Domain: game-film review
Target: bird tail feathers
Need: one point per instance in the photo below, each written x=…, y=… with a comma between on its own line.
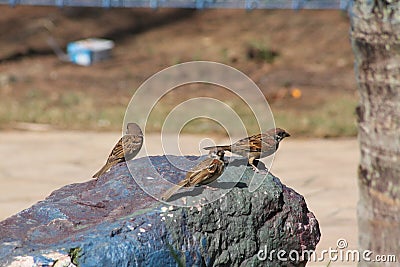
x=219, y=148
x=170, y=192
x=102, y=170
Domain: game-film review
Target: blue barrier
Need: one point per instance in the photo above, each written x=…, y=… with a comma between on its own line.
x=197, y=4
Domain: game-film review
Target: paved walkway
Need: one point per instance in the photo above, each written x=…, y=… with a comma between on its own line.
x=34, y=164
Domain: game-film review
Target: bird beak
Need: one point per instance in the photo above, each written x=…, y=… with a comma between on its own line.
x=287, y=135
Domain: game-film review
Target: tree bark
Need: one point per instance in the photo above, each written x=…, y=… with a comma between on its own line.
x=375, y=35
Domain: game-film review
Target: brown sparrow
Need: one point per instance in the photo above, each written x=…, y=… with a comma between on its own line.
x=256, y=146
x=207, y=171
x=126, y=149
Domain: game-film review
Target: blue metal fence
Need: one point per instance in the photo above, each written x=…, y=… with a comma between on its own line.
x=198, y=4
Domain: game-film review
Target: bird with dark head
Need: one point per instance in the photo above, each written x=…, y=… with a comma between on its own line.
x=256, y=146
x=126, y=148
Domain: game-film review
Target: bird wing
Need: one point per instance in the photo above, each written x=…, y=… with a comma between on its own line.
x=117, y=154
x=198, y=175
x=202, y=171
x=255, y=142
x=215, y=170
x=131, y=146
x=250, y=144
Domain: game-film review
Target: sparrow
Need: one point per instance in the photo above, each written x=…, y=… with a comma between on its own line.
x=256, y=146
x=206, y=172
x=126, y=149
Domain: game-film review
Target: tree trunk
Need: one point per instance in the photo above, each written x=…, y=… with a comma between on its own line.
x=375, y=35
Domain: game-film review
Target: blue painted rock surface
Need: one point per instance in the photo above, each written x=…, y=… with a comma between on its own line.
x=113, y=222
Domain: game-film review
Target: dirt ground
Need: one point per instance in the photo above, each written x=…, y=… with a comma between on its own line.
x=312, y=47
x=280, y=50
x=323, y=171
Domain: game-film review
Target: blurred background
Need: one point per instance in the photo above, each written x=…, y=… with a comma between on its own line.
x=59, y=120
x=301, y=60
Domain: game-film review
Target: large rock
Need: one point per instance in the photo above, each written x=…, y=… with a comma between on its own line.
x=113, y=222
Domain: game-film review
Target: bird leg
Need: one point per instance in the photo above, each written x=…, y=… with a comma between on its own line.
x=251, y=162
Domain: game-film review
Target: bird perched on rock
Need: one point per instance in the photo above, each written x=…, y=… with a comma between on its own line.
x=126, y=149
x=206, y=172
x=256, y=146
